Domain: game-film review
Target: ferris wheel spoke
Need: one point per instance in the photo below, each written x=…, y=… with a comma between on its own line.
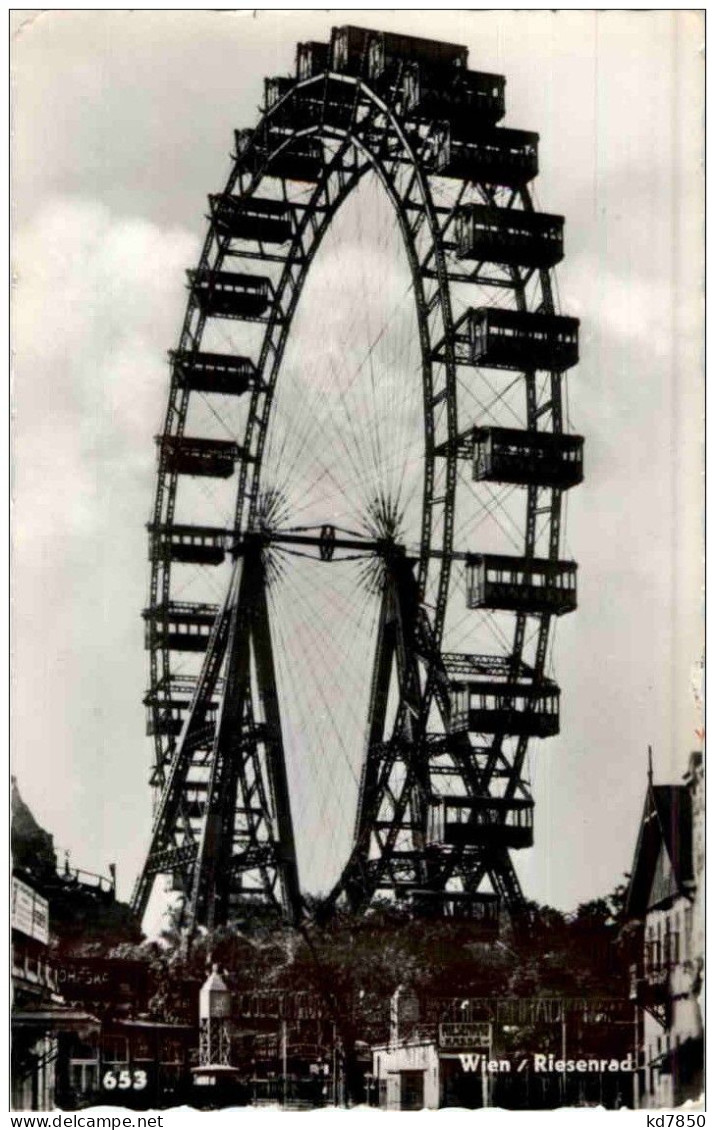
x=353, y=435
x=313, y=765
x=321, y=470
x=320, y=618
x=496, y=500
x=317, y=638
x=362, y=446
x=231, y=428
x=351, y=598
x=490, y=512
x=299, y=696
x=496, y=398
x=467, y=630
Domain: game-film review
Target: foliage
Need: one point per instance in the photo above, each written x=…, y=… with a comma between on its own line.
x=355, y=963
x=85, y=925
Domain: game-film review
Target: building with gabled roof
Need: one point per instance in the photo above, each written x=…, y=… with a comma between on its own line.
x=664, y=908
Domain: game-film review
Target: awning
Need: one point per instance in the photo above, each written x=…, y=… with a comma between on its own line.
x=54, y=1020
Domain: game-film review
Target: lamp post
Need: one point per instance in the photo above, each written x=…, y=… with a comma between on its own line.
x=284, y=1063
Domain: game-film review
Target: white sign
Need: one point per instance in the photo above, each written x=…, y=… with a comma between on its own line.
x=30, y=912
x=465, y=1035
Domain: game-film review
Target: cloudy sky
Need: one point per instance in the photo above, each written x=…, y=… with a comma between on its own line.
x=122, y=123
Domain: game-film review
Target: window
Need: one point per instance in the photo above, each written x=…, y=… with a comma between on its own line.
x=656, y=949
x=82, y=1051
x=142, y=1048
x=688, y=932
x=114, y=1050
x=83, y=1077
x=83, y=1067
x=172, y=1051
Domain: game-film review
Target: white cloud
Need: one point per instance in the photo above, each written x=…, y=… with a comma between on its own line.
x=97, y=301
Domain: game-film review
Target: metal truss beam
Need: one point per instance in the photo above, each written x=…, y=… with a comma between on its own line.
x=246, y=830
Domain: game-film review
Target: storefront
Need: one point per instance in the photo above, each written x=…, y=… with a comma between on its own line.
x=41, y=1040
x=431, y=1073
x=135, y=1063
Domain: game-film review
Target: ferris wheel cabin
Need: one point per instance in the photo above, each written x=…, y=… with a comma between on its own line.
x=485, y=706
x=460, y=821
x=311, y=59
x=480, y=908
x=510, y=236
x=432, y=77
x=503, y=157
x=301, y=161
x=213, y=372
x=168, y=715
x=522, y=341
x=521, y=584
x=179, y=625
x=275, y=88
x=189, y=545
x=544, y=459
x=189, y=455
x=168, y=701
x=325, y=103
x=262, y=220
x=453, y=94
x=223, y=294
x=360, y=51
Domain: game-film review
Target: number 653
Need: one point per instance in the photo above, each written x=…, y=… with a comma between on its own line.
x=124, y=1080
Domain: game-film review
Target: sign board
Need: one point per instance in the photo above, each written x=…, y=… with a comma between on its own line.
x=30, y=912
x=465, y=1035
x=101, y=979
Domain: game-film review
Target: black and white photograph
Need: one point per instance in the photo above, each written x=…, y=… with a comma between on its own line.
x=357, y=561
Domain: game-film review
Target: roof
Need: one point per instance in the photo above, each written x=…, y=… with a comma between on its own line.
x=663, y=861
x=153, y=1025
x=33, y=851
x=214, y=983
x=405, y=1042
x=54, y=1019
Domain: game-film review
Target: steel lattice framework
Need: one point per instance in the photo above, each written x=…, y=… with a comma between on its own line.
x=442, y=796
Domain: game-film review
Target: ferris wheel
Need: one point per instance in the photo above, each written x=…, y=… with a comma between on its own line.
x=356, y=541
